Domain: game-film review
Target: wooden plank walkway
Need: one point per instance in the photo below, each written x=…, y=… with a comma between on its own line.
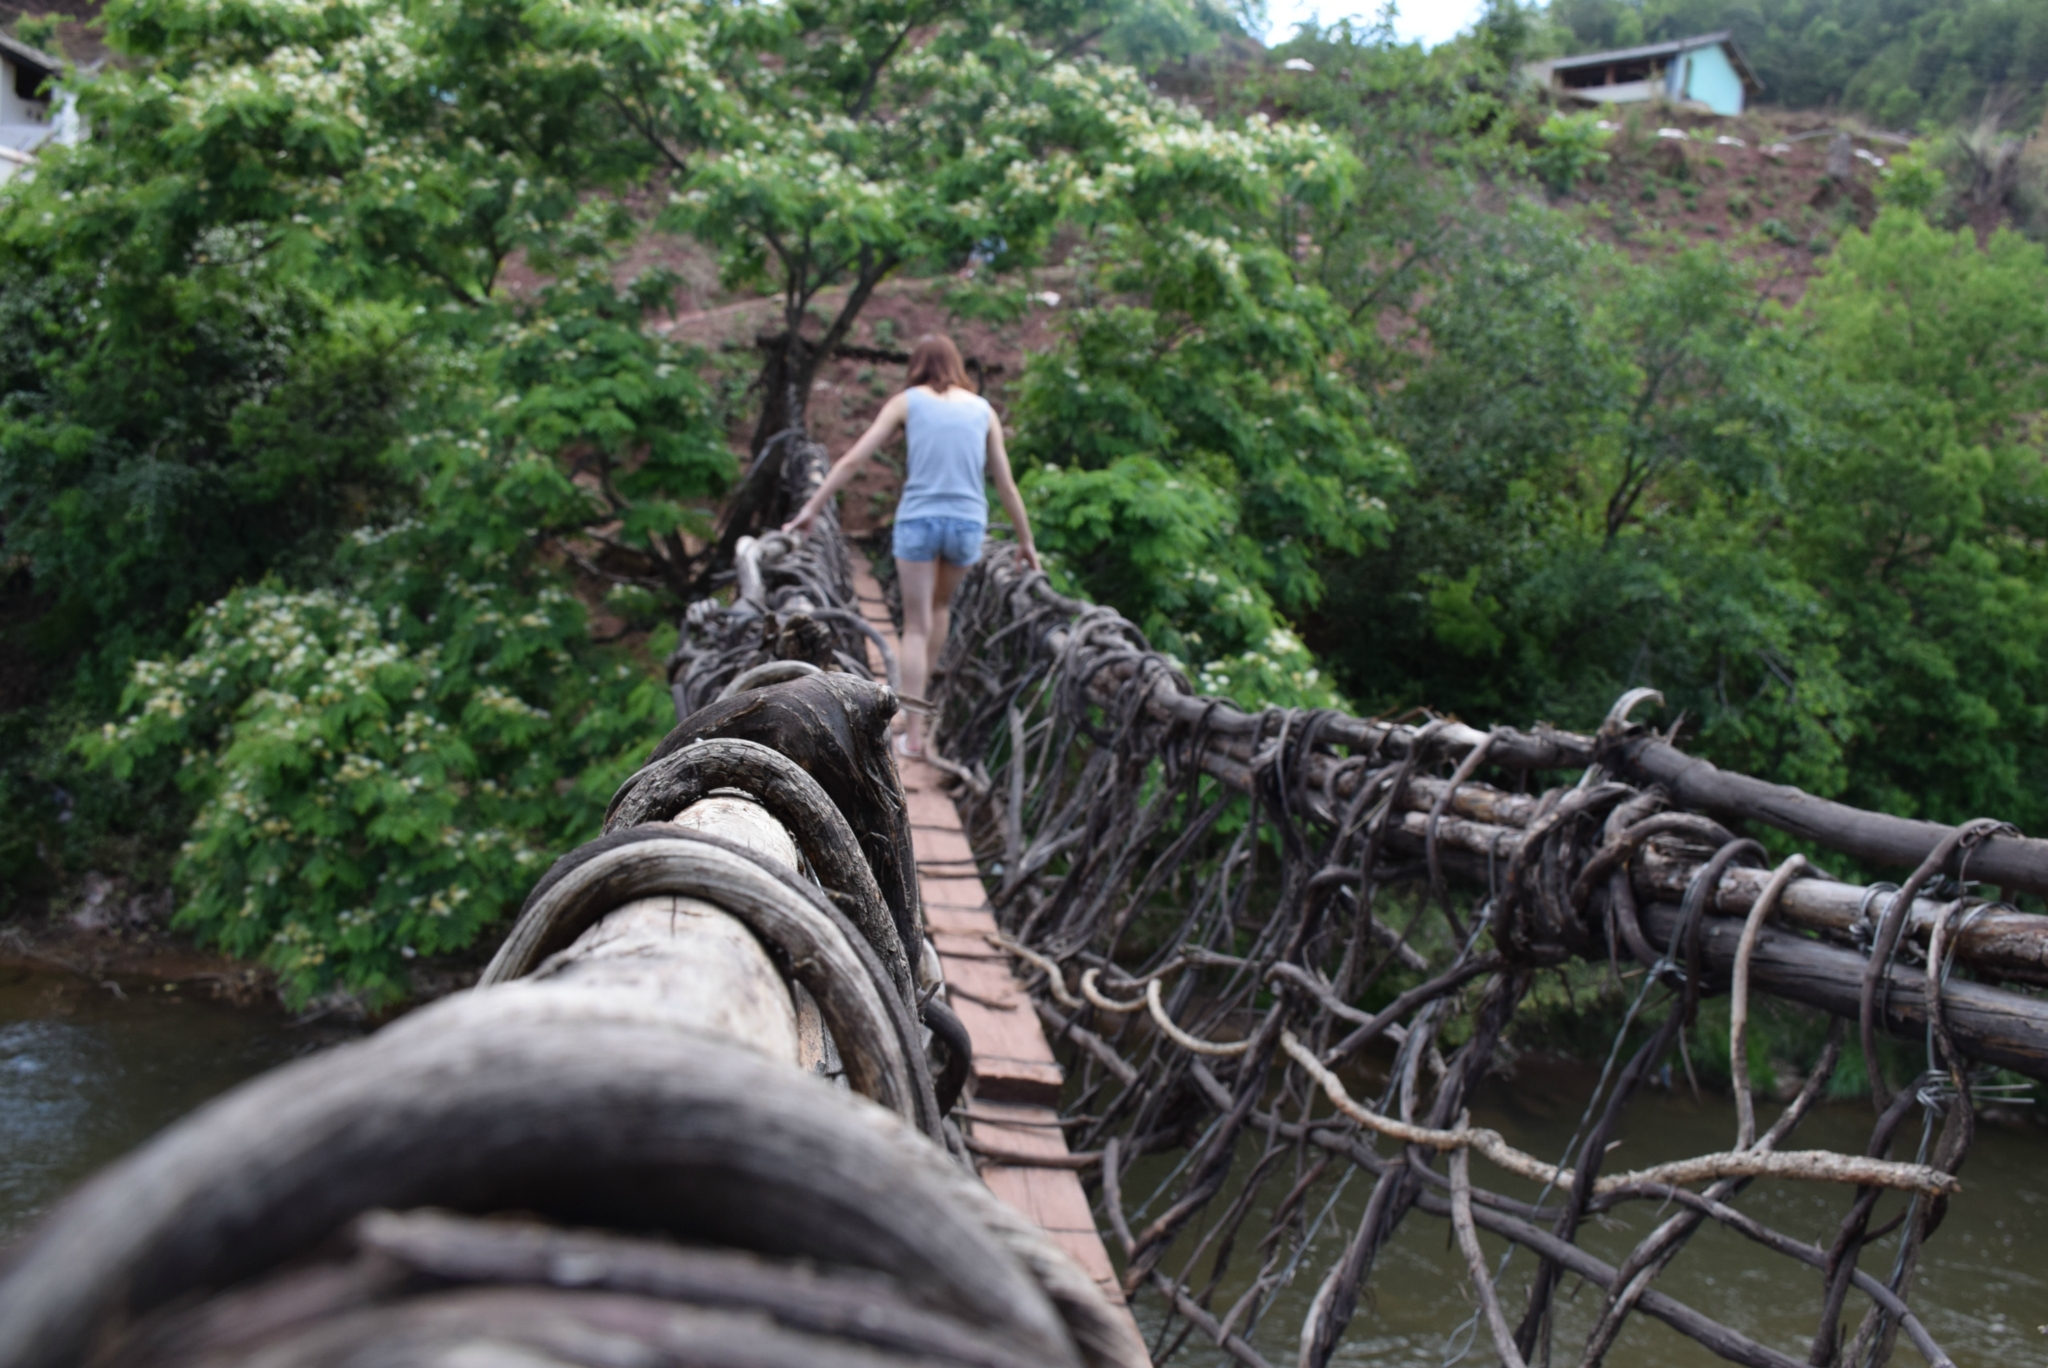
x=1016, y=1086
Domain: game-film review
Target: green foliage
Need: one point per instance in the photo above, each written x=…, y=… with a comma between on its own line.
x=1165, y=543
x=1776, y=230
x=39, y=31
x=1216, y=340
x=259, y=359
x=1923, y=512
x=1912, y=182
x=213, y=303
x=271, y=420
x=1574, y=145
x=1207, y=350
x=217, y=423
x=852, y=139
x=375, y=784
x=1817, y=533
x=381, y=768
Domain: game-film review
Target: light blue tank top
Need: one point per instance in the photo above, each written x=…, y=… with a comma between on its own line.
x=948, y=440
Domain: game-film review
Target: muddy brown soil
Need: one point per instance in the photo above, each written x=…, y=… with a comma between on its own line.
x=1757, y=183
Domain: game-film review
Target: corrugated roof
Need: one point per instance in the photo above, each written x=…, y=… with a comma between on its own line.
x=1670, y=49
x=1725, y=37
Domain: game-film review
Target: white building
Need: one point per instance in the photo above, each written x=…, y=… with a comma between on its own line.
x=1707, y=72
x=31, y=114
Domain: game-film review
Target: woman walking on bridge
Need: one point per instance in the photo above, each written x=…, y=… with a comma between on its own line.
x=955, y=440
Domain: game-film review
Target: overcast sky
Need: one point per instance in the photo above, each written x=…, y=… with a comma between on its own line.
x=1429, y=21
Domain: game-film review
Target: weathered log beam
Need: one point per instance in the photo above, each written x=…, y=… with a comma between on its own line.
x=645, y=1075
x=1992, y=939
x=1996, y=940
x=2001, y=942
x=1899, y=842
x=1541, y=749
x=2006, y=1029
x=1990, y=1025
x=1486, y=822
x=2014, y=862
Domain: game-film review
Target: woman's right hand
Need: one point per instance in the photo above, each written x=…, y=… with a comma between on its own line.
x=800, y=525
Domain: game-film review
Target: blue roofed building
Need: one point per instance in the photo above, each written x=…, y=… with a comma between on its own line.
x=1707, y=72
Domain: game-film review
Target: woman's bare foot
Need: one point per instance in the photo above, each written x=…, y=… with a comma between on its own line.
x=907, y=748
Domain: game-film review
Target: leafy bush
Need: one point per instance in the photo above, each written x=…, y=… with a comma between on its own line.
x=1574, y=146
x=1165, y=543
x=382, y=768
x=1817, y=532
x=1192, y=444
x=1912, y=182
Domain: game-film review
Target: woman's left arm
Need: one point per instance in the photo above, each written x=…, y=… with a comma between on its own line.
x=1006, y=489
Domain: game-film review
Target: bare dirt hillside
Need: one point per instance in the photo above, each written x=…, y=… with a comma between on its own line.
x=1760, y=183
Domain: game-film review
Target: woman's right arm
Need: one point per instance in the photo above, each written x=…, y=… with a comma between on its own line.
x=999, y=474
x=847, y=466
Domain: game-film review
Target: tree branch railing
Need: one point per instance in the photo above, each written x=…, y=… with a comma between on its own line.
x=1202, y=896
x=792, y=610
x=687, y=1117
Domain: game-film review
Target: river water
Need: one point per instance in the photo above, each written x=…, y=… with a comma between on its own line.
x=86, y=1075
x=1982, y=1288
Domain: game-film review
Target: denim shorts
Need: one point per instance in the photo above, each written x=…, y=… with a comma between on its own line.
x=954, y=539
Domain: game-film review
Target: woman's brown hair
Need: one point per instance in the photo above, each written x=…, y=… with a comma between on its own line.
x=935, y=361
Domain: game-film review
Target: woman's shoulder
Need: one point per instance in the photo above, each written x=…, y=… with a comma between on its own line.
x=964, y=397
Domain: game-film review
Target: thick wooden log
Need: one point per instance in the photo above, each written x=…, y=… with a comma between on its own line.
x=2005, y=1029
x=2014, y=862
x=1484, y=823
x=836, y=727
x=1899, y=842
x=689, y=958
x=1997, y=941
x=1994, y=940
x=800, y=808
x=1542, y=749
x=473, y=1104
x=878, y=1038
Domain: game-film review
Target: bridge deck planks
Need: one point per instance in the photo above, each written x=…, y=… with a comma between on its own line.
x=1016, y=1079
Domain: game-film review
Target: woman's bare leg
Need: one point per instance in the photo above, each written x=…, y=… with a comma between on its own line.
x=947, y=580
x=927, y=614
x=918, y=581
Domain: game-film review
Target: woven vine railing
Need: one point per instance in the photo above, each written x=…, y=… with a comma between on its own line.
x=791, y=608
x=693, y=1114
x=1202, y=896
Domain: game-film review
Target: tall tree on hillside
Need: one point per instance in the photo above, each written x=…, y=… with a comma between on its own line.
x=823, y=146
x=272, y=286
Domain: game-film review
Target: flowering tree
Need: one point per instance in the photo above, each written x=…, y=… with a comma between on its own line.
x=269, y=382
x=1196, y=444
